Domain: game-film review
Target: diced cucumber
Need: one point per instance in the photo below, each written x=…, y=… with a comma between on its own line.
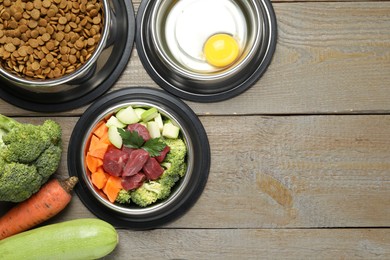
x=170, y=131
x=127, y=115
x=139, y=111
x=153, y=129
x=114, y=137
x=149, y=114
x=113, y=121
x=159, y=121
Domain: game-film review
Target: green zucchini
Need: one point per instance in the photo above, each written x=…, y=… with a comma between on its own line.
x=86, y=238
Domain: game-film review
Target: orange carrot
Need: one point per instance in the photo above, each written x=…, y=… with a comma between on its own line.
x=105, y=139
x=101, y=129
x=93, y=163
x=93, y=143
x=98, y=149
x=99, y=178
x=112, y=188
x=52, y=198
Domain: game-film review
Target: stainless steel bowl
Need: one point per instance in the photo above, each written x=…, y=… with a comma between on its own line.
x=67, y=81
x=185, y=192
x=163, y=45
x=91, y=79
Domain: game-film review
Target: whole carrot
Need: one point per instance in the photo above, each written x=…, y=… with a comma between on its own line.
x=52, y=198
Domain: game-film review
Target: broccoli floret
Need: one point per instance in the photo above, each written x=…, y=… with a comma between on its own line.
x=124, y=197
x=143, y=197
x=29, y=154
x=178, y=150
x=47, y=163
x=22, y=178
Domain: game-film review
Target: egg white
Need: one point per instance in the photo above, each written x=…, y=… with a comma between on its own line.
x=191, y=22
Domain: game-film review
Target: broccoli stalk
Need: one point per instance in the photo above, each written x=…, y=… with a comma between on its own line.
x=29, y=155
x=151, y=191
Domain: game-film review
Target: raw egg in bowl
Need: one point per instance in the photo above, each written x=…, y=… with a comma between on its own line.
x=206, y=50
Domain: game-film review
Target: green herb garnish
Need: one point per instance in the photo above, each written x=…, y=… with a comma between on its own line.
x=132, y=139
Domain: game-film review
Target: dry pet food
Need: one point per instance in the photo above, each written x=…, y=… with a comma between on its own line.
x=46, y=39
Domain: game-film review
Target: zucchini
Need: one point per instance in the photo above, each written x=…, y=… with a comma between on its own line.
x=86, y=238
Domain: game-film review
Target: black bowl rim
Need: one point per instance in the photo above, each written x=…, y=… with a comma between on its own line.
x=198, y=178
x=124, y=54
x=208, y=97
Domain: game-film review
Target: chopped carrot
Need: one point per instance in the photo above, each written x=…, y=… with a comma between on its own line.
x=105, y=139
x=52, y=198
x=98, y=150
x=93, y=163
x=101, y=129
x=99, y=178
x=112, y=188
x=93, y=143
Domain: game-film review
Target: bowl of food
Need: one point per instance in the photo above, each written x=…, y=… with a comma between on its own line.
x=57, y=55
x=204, y=50
x=142, y=157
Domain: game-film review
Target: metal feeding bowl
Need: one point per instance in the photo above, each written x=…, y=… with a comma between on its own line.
x=204, y=50
x=186, y=190
x=47, y=49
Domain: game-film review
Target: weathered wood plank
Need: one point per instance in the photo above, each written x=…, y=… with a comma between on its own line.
x=331, y=58
x=253, y=244
x=292, y=172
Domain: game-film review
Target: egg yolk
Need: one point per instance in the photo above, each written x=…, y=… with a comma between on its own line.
x=221, y=50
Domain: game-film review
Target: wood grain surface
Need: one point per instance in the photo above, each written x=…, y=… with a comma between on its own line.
x=300, y=164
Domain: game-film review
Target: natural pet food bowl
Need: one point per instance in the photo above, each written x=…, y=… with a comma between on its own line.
x=184, y=193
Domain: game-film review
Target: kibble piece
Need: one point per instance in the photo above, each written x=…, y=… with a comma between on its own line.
x=32, y=24
x=79, y=44
x=34, y=34
x=51, y=12
x=33, y=43
x=63, y=4
x=23, y=28
x=59, y=36
x=46, y=37
x=29, y=6
x=35, y=65
x=16, y=41
x=13, y=24
x=18, y=16
x=91, y=41
x=49, y=57
x=49, y=29
x=96, y=20
x=35, y=14
x=72, y=59
x=9, y=47
x=5, y=15
x=7, y=3
x=42, y=22
x=42, y=30
x=50, y=46
x=37, y=4
x=62, y=20
x=46, y=3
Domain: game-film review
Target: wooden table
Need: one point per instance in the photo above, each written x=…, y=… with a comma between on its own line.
x=300, y=162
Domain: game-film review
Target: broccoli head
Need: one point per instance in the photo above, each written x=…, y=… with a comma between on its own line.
x=123, y=197
x=29, y=155
x=178, y=150
x=143, y=197
x=18, y=181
